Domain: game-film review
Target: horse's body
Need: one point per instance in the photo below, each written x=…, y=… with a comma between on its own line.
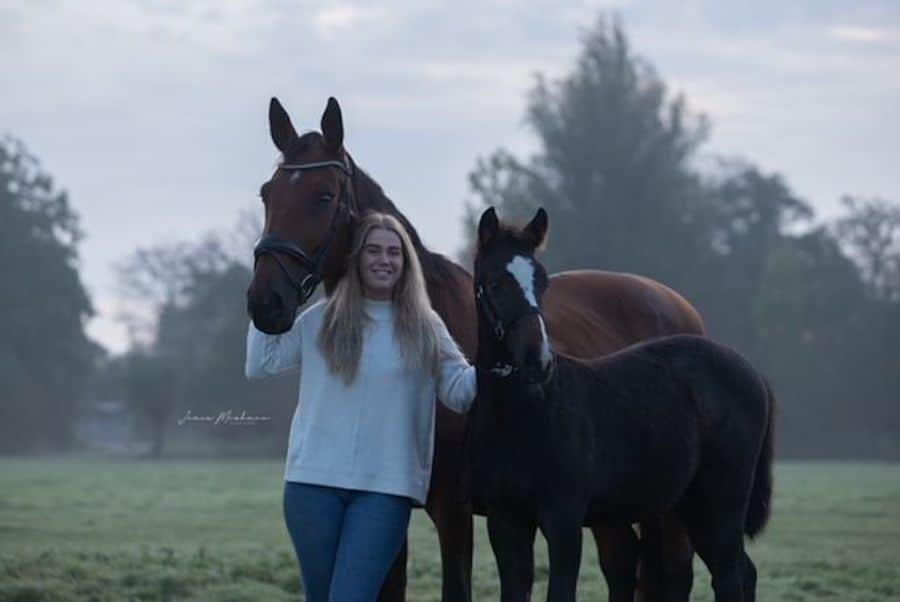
x=589, y=313
x=677, y=425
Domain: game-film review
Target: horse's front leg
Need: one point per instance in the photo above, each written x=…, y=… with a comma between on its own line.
x=454, y=527
x=666, y=566
x=394, y=587
x=513, y=546
x=562, y=530
x=449, y=509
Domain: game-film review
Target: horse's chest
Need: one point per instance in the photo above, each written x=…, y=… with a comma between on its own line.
x=512, y=478
x=524, y=465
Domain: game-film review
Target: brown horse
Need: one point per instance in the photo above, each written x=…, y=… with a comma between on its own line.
x=311, y=204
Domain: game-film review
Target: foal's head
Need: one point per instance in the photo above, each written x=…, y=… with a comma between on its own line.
x=509, y=286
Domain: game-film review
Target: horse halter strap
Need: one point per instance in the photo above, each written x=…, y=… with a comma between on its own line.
x=489, y=308
x=499, y=325
x=274, y=245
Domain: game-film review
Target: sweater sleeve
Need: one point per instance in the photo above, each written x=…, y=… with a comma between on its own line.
x=456, y=385
x=268, y=354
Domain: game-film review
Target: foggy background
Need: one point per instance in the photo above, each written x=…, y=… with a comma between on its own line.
x=746, y=157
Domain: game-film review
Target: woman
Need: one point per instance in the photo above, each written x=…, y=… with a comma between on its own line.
x=374, y=355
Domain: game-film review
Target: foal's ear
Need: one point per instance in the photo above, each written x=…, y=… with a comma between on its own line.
x=333, y=126
x=536, y=229
x=487, y=226
x=280, y=126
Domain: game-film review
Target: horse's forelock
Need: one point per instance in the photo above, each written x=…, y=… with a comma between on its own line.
x=301, y=145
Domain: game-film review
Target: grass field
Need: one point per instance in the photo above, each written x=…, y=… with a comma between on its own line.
x=87, y=529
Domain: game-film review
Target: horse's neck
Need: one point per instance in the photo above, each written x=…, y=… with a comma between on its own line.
x=445, y=279
x=371, y=197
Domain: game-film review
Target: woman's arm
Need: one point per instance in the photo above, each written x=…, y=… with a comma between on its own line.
x=456, y=384
x=271, y=354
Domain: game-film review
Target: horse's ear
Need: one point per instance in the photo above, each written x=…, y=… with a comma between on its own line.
x=536, y=229
x=487, y=226
x=333, y=125
x=280, y=126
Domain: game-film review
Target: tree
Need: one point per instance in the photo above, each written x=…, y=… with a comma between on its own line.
x=150, y=391
x=750, y=212
x=616, y=169
x=870, y=231
x=808, y=315
x=613, y=167
x=45, y=355
x=192, y=319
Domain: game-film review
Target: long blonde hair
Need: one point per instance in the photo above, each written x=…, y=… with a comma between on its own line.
x=343, y=328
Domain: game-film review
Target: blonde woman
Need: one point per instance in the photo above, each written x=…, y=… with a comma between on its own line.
x=373, y=357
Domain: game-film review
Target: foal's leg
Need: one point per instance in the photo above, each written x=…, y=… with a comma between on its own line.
x=563, y=533
x=719, y=542
x=618, y=548
x=513, y=546
x=749, y=579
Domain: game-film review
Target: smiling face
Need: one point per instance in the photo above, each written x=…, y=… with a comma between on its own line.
x=380, y=263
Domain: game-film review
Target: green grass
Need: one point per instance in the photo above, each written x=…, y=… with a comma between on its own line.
x=87, y=529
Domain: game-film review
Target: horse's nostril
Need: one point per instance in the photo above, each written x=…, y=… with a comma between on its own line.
x=275, y=304
x=268, y=310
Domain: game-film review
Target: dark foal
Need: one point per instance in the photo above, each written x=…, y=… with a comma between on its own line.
x=679, y=424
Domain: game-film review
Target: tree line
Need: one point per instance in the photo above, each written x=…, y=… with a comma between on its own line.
x=620, y=168
x=815, y=305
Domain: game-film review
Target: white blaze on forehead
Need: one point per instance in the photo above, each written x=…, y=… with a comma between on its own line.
x=522, y=270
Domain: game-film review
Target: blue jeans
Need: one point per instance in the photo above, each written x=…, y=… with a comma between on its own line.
x=346, y=540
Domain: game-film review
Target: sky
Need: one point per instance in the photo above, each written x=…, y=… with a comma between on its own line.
x=152, y=114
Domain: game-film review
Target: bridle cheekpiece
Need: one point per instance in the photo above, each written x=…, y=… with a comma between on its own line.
x=499, y=326
x=275, y=246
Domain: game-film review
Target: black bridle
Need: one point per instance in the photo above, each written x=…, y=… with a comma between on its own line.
x=492, y=314
x=276, y=246
x=499, y=325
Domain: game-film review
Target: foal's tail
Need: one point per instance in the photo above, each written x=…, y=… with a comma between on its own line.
x=761, y=495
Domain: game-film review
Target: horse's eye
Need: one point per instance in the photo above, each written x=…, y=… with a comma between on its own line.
x=493, y=285
x=326, y=197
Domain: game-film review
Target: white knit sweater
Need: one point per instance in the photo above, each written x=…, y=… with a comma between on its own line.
x=377, y=434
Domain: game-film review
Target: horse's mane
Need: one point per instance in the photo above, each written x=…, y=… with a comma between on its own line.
x=440, y=272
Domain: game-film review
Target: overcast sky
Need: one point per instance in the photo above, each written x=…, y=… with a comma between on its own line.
x=153, y=114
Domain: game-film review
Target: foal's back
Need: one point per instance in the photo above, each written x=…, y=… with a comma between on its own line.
x=659, y=409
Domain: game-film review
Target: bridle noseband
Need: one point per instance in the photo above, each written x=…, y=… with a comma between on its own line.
x=499, y=326
x=273, y=245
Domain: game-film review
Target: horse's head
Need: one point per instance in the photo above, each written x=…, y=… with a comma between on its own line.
x=309, y=215
x=509, y=286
